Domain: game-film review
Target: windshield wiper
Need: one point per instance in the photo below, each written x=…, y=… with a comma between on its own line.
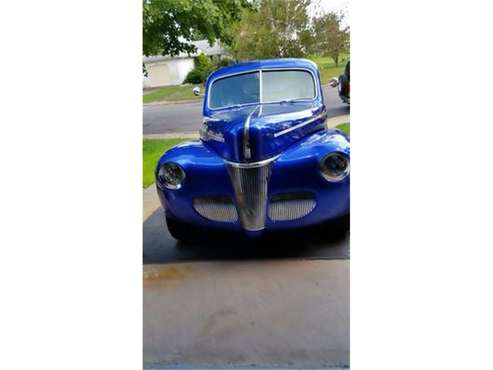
x=241, y=105
x=289, y=101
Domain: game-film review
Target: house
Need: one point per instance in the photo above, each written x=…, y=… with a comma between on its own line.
x=166, y=70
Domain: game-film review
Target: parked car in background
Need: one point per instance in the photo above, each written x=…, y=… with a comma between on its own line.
x=343, y=84
x=265, y=159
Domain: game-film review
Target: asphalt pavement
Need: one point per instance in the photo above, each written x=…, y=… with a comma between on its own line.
x=187, y=117
x=160, y=247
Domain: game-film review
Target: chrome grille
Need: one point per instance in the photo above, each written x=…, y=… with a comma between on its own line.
x=216, y=209
x=250, y=186
x=290, y=209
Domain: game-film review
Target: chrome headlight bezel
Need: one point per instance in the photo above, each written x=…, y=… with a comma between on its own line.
x=171, y=175
x=331, y=174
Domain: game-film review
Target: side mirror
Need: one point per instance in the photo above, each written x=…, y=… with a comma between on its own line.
x=334, y=81
x=196, y=91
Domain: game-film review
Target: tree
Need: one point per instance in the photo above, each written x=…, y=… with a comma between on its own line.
x=275, y=31
x=332, y=39
x=169, y=25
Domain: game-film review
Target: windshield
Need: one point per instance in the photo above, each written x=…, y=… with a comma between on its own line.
x=287, y=85
x=239, y=89
x=276, y=86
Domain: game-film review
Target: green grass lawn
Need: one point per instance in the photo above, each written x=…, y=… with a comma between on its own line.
x=170, y=93
x=152, y=151
x=328, y=68
x=344, y=127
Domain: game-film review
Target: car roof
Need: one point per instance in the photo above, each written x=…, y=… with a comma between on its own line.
x=265, y=64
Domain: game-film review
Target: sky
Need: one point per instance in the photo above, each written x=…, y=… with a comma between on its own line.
x=330, y=5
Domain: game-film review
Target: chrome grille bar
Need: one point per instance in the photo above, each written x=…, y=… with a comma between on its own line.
x=250, y=187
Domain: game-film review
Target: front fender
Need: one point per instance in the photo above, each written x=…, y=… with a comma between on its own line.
x=296, y=170
x=206, y=176
x=318, y=146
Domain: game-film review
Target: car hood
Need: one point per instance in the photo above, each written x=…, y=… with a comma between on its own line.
x=257, y=132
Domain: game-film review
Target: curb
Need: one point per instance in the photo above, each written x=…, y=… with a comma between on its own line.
x=165, y=102
x=331, y=123
x=335, y=121
x=174, y=135
x=150, y=201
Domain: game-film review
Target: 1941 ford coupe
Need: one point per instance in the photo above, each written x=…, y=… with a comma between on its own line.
x=265, y=160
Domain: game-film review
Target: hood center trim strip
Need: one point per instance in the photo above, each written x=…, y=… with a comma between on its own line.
x=247, y=150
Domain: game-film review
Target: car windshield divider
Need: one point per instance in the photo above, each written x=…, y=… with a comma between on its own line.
x=260, y=102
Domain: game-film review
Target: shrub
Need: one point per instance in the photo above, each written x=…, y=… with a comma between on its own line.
x=224, y=62
x=203, y=68
x=195, y=76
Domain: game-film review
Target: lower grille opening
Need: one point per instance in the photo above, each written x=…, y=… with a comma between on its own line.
x=221, y=209
x=291, y=206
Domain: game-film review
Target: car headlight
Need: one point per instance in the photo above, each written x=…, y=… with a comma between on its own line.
x=171, y=175
x=334, y=167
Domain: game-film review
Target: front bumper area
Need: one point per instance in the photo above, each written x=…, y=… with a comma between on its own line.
x=284, y=193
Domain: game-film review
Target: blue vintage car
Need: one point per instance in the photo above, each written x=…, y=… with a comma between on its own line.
x=265, y=160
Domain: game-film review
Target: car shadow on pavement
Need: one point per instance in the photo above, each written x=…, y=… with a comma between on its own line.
x=161, y=247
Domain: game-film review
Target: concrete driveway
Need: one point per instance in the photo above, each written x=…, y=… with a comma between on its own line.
x=279, y=302
x=187, y=117
x=286, y=313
